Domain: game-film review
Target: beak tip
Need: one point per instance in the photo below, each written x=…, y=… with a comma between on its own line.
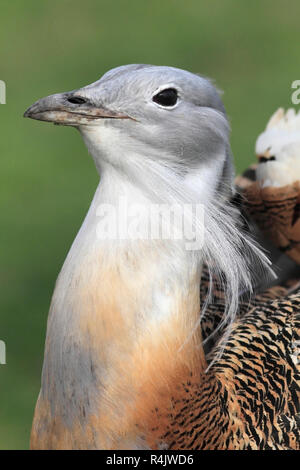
x=28, y=113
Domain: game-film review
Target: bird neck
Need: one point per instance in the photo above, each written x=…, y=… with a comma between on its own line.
x=125, y=316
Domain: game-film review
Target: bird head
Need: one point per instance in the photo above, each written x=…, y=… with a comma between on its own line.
x=278, y=150
x=142, y=115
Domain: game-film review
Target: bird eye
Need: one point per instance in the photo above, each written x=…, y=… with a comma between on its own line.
x=167, y=97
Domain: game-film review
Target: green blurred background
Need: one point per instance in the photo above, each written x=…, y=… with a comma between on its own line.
x=250, y=48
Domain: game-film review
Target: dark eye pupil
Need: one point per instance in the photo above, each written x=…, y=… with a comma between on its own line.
x=166, y=97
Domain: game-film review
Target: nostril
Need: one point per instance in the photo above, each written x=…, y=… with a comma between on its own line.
x=76, y=100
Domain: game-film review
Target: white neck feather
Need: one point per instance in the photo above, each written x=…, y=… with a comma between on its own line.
x=125, y=311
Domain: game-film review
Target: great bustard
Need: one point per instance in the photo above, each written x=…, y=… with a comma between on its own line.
x=124, y=364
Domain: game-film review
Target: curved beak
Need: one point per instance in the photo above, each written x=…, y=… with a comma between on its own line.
x=70, y=109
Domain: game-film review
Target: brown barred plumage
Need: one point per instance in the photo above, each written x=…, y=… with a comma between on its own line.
x=250, y=397
x=276, y=211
